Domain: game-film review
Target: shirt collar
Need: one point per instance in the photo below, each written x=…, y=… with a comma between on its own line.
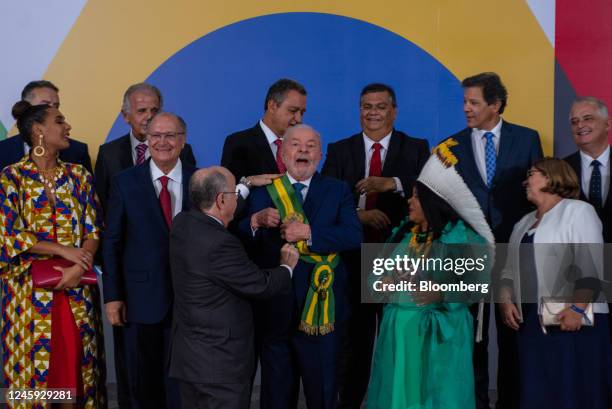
x=603, y=158
x=176, y=174
x=495, y=131
x=270, y=135
x=369, y=142
x=304, y=182
x=135, y=142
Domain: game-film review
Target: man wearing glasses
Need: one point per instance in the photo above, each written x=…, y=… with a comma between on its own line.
x=140, y=103
x=137, y=285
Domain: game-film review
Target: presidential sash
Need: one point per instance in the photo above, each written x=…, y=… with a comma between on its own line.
x=318, y=314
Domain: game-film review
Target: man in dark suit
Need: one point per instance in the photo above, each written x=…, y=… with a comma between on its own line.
x=136, y=280
x=13, y=148
x=494, y=156
x=213, y=280
x=590, y=123
x=256, y=150
x=384, y=163
x=140, y=103
x=293, y=346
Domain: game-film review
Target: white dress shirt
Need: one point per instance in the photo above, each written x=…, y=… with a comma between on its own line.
x=135, y=142
x=270, y=136
x=478, y=146
x=587, y=171
x=175, y=185
x=306, y=182
x=369, y=151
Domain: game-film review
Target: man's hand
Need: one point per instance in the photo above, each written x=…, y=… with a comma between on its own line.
x=263, y=180
x=116, y=312
x=265, y=218
x=375, y=219
x=295, y=231
x=289, y=255
x=375, y=184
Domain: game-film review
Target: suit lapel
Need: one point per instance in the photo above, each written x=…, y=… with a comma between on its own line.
x=574, y=161
x=393, y=152
x=465, y=152
x=261, y=143
x=148, y=193
x=18, y=144
x=125, y=152
x=187, y=172
x=359, y=156
x=507, y=144
x=311, y=204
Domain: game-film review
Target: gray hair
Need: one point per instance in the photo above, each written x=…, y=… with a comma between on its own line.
x=204, y=188
x=294, y=128
x=181, y=121
x=140, y=87
x=602, y=108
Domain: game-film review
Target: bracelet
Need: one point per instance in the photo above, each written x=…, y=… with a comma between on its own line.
x=577, y=309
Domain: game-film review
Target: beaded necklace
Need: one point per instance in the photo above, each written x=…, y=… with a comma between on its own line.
x=49, y=177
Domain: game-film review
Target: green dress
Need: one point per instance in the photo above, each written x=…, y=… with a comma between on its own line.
x=423, y=356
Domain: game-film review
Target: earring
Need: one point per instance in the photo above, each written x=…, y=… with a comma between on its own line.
x=39, y=150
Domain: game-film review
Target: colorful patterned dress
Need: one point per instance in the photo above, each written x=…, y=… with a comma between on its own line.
x=26, y=217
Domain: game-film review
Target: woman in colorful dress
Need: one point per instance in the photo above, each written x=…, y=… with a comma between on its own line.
x=423, y=357
x=52, y=338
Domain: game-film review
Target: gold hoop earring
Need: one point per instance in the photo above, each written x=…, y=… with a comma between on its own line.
x=39, y=150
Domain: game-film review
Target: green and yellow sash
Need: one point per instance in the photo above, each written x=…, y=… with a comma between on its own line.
x=318, y=315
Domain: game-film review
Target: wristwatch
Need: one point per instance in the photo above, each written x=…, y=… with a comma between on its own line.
x=245, y=181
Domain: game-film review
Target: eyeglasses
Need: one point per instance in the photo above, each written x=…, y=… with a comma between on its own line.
x=170, y=136
x=531, y=172
x=236, y=193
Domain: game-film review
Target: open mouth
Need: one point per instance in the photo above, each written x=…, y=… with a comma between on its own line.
x=302, y=161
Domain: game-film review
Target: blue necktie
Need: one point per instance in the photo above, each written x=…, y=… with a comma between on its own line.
x=595, y=185
x=490, y=157
x=298, y=187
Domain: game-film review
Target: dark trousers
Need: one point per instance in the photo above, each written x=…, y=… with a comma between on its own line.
x=313, y=359
x=121, y=372
x=215, y=396
x=355, y=360
x=146, y=350
x=507, y=364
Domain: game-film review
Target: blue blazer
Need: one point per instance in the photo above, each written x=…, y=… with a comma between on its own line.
x=505, y=202
x=11, y=151
x=335, y=227
x=136, y=245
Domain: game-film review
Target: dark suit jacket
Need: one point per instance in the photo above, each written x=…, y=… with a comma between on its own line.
x=115, y=156
x=11, y=151
x=213, y=280
x=248, y=153
x=135, y=246
x=405, y=159
x=505, y=202
x=605, y=213
x=334, y=226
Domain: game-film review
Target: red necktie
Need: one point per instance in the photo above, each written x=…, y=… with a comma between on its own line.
x=164, y=200
x=141, y=148
x=375, y=170
x=279, y=159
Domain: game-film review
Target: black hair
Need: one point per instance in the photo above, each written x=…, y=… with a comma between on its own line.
x=27, y=115
x=26, y=93
x=378, y=87
x=278, y=91
x=493, y=89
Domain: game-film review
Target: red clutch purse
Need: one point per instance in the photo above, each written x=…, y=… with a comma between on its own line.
x=45, y=276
